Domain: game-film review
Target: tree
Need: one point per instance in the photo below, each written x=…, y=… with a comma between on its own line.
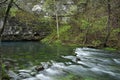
x=108, y=23
x=57, y=9
x=9, y=6
x=6, y=16
x=56, y=14
x=2, y=2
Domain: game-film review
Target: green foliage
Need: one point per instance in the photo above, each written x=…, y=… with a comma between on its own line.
x=25, y=17
x=117, y=30
x=34, y=22
x=110, y=49
x=82, y=1
x=53, y=36
x=2, y=12
x=96, y=42
x=49, y=6
x=64, y=29
x=72, y=10
x=58, y=42
x=13, y=12
x=4, y=74
x=85, y=24
x=99, y=24
x=45, y=24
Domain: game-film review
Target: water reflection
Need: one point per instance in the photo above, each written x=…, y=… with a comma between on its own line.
x=27, y=53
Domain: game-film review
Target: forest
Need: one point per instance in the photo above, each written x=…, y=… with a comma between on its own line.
x=62, y=28
x=92, y=23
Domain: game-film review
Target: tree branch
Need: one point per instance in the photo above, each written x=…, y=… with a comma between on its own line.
x=18, y=6
x=6, y=17
x=3, y=2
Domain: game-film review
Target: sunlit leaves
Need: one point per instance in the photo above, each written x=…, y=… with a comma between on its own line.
x=13, y=11
x=72, y=9
x=85, y=24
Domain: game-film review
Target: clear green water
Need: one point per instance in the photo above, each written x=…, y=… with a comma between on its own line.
x=32, y=53
x=94, y=64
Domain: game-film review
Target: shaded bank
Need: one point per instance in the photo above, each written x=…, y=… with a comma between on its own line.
x=25, y=37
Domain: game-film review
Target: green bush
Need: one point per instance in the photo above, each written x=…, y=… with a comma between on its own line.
x=96, y=42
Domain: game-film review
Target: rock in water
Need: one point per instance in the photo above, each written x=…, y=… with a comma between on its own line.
x=24, y=75
x=13, y=75
x=39, y=68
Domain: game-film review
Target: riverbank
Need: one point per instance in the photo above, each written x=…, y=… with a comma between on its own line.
x=22, y=37
x=59, y=42
x=69, y=35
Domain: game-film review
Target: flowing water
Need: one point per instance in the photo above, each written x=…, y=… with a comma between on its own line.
x=60, y=62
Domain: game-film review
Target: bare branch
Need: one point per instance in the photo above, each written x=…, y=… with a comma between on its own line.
x=18, y=6
x=3, y=2
x=6, y=17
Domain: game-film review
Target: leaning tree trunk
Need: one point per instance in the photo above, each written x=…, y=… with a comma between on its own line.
x=6, y=17
x=108, y=24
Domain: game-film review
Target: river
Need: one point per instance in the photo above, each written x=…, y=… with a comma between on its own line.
x=60, y=62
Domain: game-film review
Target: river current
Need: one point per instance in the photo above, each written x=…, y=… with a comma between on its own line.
x=60, y=62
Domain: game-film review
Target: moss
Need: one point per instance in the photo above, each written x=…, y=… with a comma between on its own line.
x=110, y=49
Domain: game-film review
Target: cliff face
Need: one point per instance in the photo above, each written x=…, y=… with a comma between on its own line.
x=15, y=31
x=1, y=24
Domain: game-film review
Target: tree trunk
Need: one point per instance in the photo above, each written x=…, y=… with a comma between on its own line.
x=108, y=24
x=56, y=16
x=57, y=24
x=86, y=34
x=6, y=17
